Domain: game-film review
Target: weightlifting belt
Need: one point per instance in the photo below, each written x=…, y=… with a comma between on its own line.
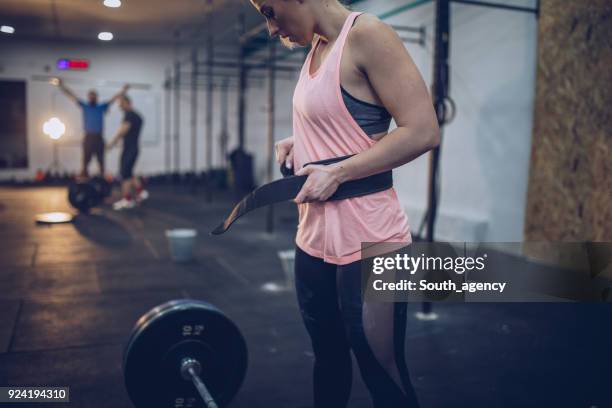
x=288, y=188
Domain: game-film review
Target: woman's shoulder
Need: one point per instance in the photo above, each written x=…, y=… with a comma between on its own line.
x=369, y=29
x=367, y=20
x=370, y=32
x=369, y=24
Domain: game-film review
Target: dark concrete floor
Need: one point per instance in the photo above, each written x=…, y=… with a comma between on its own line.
x=70, y=295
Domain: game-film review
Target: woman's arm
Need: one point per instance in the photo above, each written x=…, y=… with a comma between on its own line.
x=381, y=56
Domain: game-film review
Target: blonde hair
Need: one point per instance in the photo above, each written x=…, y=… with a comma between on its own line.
x=288, y=44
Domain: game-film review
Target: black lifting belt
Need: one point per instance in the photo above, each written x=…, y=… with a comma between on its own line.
x=288, y=188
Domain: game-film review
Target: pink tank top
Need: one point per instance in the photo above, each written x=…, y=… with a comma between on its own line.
x=322, y=129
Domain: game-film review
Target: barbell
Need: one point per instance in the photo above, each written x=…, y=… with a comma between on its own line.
x=184, y=354
x=84, y=195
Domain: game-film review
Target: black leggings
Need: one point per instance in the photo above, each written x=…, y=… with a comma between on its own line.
x=338, y=321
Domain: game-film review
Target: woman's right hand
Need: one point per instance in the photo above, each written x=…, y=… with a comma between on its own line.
x=284, y=152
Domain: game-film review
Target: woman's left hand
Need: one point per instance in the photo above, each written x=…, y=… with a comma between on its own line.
x=322, y=182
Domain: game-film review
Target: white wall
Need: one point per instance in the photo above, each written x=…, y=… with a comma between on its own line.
x=115, y=64
x=111, y=66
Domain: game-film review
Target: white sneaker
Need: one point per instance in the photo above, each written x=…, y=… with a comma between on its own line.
x=143, y=195
x=124, y=204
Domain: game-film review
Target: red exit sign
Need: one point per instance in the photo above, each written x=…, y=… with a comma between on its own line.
x=70, y=64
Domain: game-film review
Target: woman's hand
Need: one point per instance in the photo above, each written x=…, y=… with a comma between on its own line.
x=284, y=152
x=322, y=182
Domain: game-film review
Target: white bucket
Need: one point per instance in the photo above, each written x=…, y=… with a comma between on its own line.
x=287, y=258
x=181, y=242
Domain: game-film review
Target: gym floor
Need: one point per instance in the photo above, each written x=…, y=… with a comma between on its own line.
x=71, y=293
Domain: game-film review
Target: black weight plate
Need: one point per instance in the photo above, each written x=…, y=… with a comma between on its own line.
x=175, y=330
x=219, y=380
x=83, y=196
x=102, y=186
x=145, y=318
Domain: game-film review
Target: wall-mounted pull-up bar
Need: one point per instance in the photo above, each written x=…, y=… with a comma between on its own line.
x=535, y=10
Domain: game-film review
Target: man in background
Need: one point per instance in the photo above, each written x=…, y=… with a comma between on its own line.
x=132, y=189
x=93, y=122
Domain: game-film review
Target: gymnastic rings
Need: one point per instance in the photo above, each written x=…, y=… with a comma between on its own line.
x=446, y=111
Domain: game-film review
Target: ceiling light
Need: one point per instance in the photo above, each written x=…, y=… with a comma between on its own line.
x=112, y=3
x=7, y=29
x=105, y=36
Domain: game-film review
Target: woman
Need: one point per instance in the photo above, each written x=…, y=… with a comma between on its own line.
x=357, y=76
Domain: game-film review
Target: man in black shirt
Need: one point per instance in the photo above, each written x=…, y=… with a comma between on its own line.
x=131, y=186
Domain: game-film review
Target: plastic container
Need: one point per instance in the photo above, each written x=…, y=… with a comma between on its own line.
x=287, y=258
x=181, y=242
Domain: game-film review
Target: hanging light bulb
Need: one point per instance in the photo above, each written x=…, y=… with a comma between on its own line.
x=54, y=128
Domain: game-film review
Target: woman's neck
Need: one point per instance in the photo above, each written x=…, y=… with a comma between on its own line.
x=330, y=20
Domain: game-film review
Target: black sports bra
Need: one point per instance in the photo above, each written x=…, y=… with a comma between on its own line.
x=372, y=119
